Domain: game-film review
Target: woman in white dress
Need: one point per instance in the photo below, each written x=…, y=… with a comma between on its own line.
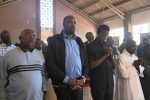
x=128, y=86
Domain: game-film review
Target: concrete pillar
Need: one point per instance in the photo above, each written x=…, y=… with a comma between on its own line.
x=127, y=26
x=38, y=23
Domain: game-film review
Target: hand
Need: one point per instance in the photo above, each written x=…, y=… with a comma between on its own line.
x=79, y=84
x=72, y=82
x=109, y=51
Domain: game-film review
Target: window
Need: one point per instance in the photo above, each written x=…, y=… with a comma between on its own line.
x=117, y=32
x=46, y=17
x=138, y=30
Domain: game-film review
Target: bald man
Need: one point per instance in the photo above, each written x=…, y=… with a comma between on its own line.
x=90, y=37
x=6, y=44
x=66, y=62
x=22, y=69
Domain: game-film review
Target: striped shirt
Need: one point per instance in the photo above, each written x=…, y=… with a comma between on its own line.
x=4, y=49
x=23, y=71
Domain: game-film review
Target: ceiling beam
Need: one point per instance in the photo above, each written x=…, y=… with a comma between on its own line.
x=114, y=9
x=89, y=4
x=110, y=18
x=72, y=1
x=106, y=8
x=77, y=10
x=5, y=3
x=141, y=9
x=134, y=11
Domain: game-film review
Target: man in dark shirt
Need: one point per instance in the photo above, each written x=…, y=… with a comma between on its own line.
x=140, y=49
x=146, y=72
x=90, y=37
x=101, y=67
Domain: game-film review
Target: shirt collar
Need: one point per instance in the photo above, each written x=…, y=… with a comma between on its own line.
x=25, y=50
x=69, y=37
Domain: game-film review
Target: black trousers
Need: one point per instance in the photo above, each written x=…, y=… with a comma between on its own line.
x=102, y=94
x=66, y=93
x=102, y=87
x=145, y=85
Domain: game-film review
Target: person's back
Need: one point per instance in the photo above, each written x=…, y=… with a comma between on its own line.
x=146, y=72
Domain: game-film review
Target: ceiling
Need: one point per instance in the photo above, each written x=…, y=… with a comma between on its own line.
x=100, y=10
x=5, y=2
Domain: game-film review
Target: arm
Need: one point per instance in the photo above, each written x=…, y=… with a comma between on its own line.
x=85, y=66
x=3, y=71
x=53, y=70
x=93, y=64
x=3, y=68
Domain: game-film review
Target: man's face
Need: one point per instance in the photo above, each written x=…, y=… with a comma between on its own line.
x=103, y=36
x=69, y=25
x=132, y=48
x=6, y=37
x=90, y=37
x=28, y=40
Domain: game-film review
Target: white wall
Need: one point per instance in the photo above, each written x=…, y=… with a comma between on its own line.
x=140, y=24
x=115, y=23
x=83, y=25
x=141, y=18
x=17, y=16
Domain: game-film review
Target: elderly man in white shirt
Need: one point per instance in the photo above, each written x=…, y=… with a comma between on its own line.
x=5, y=46
x=22, y=68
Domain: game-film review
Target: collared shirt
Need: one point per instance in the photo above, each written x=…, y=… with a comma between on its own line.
x=72, y=61
x=4, y=48
x=96, y=49
x=25, y=68
x=3, y=51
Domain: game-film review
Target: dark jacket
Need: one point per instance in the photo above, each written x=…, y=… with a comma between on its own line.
x=55, y=60
x=146, y=80
x=146, y=64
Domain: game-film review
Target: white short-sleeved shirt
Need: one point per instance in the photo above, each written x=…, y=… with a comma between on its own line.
x=23, y=70
x=4, y=48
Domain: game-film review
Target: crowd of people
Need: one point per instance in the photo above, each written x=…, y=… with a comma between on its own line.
x=112, y=73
